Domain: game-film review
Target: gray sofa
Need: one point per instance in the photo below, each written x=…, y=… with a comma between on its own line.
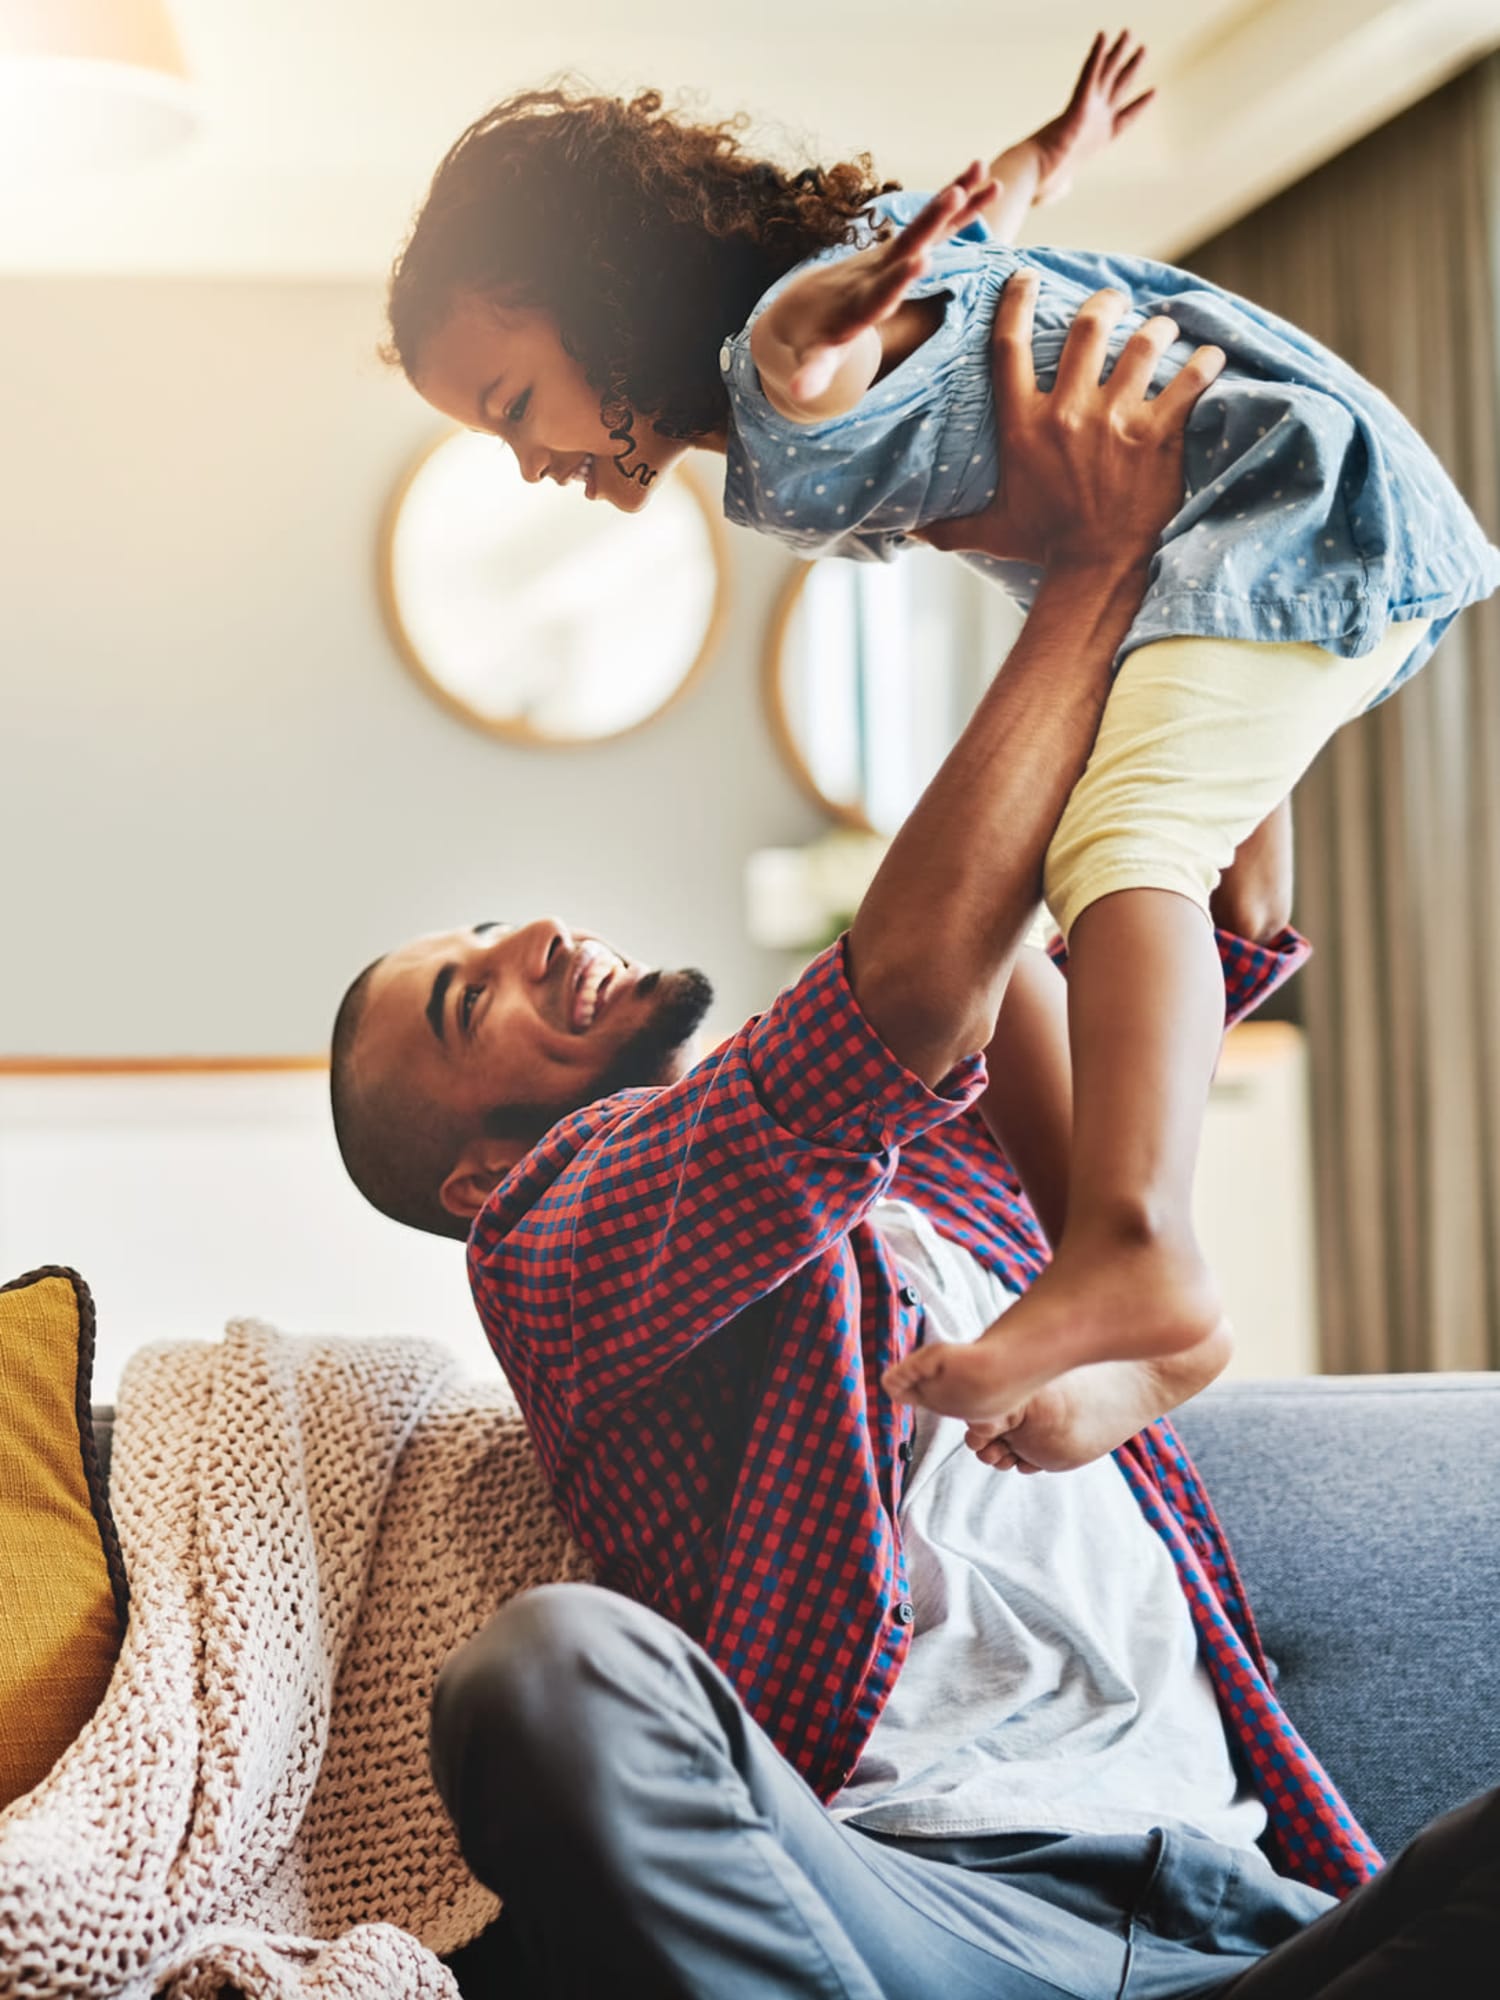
x=1365, y=1513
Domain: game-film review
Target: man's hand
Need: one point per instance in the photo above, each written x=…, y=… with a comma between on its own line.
x=1099, y=110
x=1090, y=470
x=933, y=942
x=817, y=346
x=1084, y=1414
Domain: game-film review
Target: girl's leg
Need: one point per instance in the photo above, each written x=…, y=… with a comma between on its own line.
x=1145, y=1023
x=1145, y=1020
x=1199, y=741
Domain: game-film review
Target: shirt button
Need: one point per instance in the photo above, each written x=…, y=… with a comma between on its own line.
x=904, y=1613
x=725, y=357
x=910, y=1296
x=906, y=1451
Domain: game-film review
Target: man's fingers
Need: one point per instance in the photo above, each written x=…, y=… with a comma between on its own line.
x=1087, y=345
x=1174, y=405
x=1139, y=359
x=1010, y=341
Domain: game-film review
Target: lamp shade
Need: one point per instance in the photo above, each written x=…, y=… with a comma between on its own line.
x=86, y=84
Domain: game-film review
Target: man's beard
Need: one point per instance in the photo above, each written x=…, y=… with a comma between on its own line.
x=650, y=1057
x=682, y=999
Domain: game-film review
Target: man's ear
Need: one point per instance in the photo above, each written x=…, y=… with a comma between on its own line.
x=476, y=1173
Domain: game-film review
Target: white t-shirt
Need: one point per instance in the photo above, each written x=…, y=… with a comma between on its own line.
x=1053, y=1682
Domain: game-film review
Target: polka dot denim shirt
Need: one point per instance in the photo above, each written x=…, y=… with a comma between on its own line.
x=1313, y=509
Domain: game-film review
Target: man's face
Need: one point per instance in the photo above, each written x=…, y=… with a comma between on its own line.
x=509, y=1027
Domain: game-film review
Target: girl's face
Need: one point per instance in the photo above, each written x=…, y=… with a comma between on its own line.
x=504, y=370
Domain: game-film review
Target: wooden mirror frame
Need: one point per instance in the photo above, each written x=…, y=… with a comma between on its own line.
x=773, y=688
x=523, y=732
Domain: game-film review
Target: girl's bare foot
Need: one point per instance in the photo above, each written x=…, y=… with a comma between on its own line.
x=1098, y=1301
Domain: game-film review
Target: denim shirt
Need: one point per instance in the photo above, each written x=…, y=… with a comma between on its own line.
x=1313, y=511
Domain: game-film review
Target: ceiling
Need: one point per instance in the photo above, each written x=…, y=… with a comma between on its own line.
x=324, y=118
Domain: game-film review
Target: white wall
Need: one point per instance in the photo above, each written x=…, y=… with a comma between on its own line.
x=221, y=791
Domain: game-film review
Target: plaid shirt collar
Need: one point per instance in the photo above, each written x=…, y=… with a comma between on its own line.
x=686, y=1294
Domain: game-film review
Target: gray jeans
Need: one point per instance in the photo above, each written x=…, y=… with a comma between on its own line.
x=649, y=1840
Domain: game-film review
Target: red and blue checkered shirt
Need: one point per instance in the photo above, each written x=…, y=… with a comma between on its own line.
x=686, y=1292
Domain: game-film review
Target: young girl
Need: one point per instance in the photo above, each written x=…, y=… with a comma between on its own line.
x=603, y=285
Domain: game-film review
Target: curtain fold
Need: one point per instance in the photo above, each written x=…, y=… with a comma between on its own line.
x=1389, y=254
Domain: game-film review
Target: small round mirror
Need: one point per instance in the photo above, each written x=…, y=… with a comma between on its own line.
x=873, y=670
x=537, y=616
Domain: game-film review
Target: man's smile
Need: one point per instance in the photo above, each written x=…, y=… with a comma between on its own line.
x=594, y=975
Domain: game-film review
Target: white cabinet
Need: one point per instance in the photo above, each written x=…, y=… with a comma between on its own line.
x=1253, y=1199
x=185, y=1199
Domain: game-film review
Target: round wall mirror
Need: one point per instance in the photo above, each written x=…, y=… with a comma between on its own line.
x=872, y=671
x=538, y=616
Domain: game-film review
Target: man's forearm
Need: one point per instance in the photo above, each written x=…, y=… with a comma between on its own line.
x=934, y=939
x=1100, y=464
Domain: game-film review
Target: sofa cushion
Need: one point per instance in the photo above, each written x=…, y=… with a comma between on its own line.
x=62, y=1582
x=1365, y=1513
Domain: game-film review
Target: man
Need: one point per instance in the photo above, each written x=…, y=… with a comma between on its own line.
x=860, y=1714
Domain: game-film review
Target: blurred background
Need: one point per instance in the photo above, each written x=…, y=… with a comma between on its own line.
x=245, y=749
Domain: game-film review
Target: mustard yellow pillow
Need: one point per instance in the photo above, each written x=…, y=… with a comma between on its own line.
x=62, y=1583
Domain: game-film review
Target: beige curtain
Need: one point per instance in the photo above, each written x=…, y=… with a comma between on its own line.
x=1389, y=254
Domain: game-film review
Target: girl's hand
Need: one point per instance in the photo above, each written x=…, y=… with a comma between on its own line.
x=820, y=319
x=1099, y=110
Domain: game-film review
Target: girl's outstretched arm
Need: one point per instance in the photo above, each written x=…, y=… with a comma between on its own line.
x=1042, y=167
x=821, y=342
x=827, y=337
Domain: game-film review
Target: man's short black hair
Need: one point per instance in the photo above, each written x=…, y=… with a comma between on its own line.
x=398, y=1148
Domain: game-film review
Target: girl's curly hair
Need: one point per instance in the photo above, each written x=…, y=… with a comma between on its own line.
x=645, y=238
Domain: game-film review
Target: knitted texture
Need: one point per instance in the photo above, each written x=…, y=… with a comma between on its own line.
x=310, y=1527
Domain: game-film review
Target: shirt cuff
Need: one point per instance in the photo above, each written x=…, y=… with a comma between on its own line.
x=1252, y=972
x=825, y=1075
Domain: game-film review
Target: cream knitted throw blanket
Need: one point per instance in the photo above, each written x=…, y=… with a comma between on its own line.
x=309, y=1527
